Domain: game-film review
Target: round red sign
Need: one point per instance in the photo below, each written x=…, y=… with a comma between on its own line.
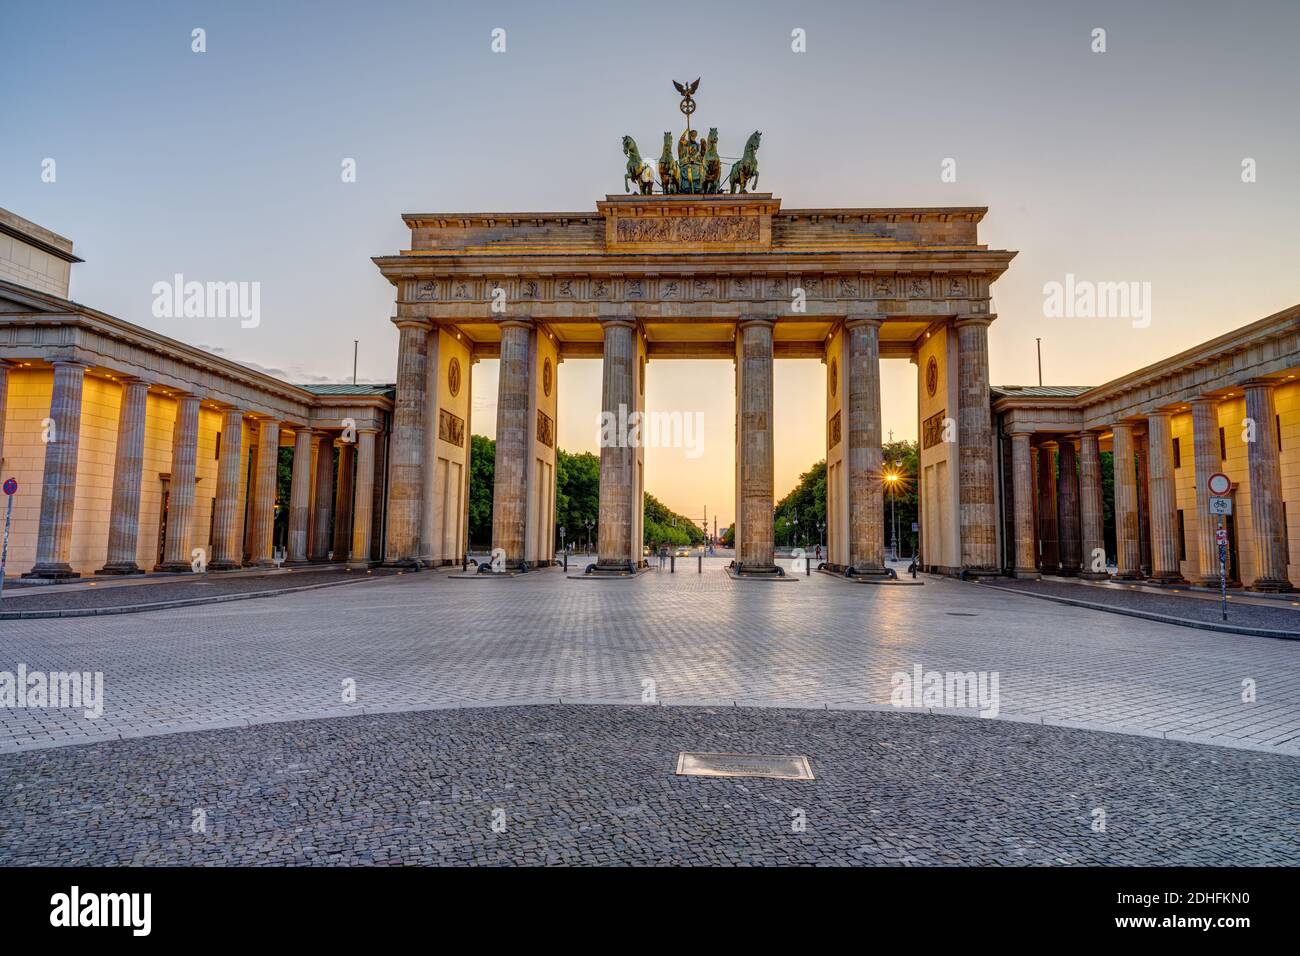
x=1219, y=483
x=10, y=486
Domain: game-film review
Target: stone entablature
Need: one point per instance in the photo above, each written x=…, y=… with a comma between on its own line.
x=793, y=230
x=928, y=290
x=1263, y=349
x=682, y=256
x=58, y=330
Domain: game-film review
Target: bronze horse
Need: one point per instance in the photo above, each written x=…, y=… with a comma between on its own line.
x=638, y=171
x=668, y=170
x=712, y=163
x=746, y=168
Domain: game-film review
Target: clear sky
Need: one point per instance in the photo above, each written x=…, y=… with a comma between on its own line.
x=1115, y=166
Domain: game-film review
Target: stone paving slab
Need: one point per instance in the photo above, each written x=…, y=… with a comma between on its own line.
x=595, y=785
x=420, y=641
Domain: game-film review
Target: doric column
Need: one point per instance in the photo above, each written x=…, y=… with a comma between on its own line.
x=264, y=481
x=406, y=458
x=4, y=402
x=249, y=478
x=1091, y=507
x=227, y=523
x=754, y=445
x=1164, y=505
x=300, y=496
x=323, y=499
x=617, y=516
x=510, y=486
x=1049, y=550
x=979, y=550
x=128, y=469
x=364, y=511
x=59, y=484
x=1266, y=491
x=1022, y=494
x=866, y=509
x=180, y=497
x=343, y=501
x=1067, y=505
x=1127, y=554
x=1141, y=456
x=1205, y=462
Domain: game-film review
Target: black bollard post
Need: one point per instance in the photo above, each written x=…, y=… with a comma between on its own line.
x=700, y=570
x=672, y=563
x=566, y=562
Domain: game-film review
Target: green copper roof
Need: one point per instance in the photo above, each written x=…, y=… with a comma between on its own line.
x=359, y=389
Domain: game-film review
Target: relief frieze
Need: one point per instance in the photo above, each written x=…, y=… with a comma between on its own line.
x=689, y=229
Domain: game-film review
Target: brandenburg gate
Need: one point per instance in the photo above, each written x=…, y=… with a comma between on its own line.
x=692, y=276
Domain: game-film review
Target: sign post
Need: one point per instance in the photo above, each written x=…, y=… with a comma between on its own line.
x=1219, y=485
x=10, y=487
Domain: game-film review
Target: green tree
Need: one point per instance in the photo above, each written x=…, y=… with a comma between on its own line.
x=482, y=472
x=902, y=458
x=577, y=493
x=666, y=527
x=799, y=513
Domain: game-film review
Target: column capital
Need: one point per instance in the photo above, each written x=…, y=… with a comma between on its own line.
x=856, y=320
x=973, y=318
x=616, y=322
x=411, y=321
x=516, y=322
x=746, y=321
x=1259, y=383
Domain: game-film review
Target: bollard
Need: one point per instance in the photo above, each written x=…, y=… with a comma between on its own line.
x=807, y=568
x=566, y=562
x=700, y=570
x=672, y=563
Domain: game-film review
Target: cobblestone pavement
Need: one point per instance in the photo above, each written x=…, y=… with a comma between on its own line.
x=595, y=785
x=1275, y=615
x=117, y=593
x=426, y=640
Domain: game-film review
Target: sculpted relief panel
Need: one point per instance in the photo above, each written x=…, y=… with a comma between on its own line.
x=687, y=230
x=921, y=293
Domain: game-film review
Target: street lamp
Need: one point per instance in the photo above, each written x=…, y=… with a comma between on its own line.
x=795, y=533
x=891, y=479
x=589, y=524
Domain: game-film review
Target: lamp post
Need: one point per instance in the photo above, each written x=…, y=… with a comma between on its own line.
x=589, y=524
x=891, y=479
x=794, y=534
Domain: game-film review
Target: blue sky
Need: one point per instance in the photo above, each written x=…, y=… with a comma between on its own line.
x=1123, y=165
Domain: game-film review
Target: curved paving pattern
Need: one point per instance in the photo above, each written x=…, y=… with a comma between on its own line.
x=595, y=785
x=425, y=640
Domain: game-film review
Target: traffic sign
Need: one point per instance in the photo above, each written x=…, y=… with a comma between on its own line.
x=10, y=486
x=1220, y=506
x=1219, y=484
